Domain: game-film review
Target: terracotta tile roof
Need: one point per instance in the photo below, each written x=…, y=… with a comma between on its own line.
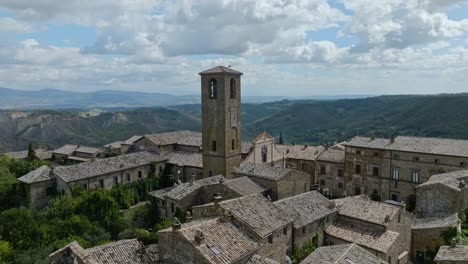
x=435, y=221
x=342, y=254
x=120, y=252
x=40, y=174
x=456, y=254
x=439, y=146
x=244, y=186
x=186, y=188
x=365, y=209
x=332, y=155
x=265, y=171
x=307, y=208
x=220, y=69
x=186, y=138
x=104, y=166
x=223, y=241
x=257, y=259
x=190, y=159
x=451, y=179
x=258, y=213
x=365, y=235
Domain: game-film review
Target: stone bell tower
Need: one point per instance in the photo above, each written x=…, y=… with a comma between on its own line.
x=221, y=120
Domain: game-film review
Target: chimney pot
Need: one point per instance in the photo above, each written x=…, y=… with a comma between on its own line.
x=227, y=215
x=454, y=243
x=176, y=224
x=461, y=184
x=188, y=217
x=199, y=237
x=217, y=199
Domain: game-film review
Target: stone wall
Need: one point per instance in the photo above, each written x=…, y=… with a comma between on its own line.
x=331, y=183
x=293, y=184
x=426, y=242
x=38, y=193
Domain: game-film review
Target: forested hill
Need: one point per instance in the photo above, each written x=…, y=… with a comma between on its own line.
x=308, y=121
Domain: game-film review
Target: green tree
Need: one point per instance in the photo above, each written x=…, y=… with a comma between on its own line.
x=31, y=152
x=6, y=252
x=19, y=228
x=281, y=141
x=302, y=252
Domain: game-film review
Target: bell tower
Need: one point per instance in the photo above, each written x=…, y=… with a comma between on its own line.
x=221, y=121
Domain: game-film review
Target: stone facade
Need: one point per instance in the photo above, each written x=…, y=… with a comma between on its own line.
x=330, y=173
x=454, y=254
x=221, y=121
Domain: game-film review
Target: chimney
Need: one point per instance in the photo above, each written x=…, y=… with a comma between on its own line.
x=305, y=147
x=372, y=137
x=199, y=237
x=227, y=215
x=217, y=199
x=188, y=217
x=392, y=138
x=331, y=205
x=403, y=205
x=268, y=197
x=461, y=184
x=93, y=158
x=454, y=243
x=221, y=180
x=387, y=219
x=176, y=224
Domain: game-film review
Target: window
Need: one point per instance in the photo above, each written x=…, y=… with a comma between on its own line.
x=358, y=152
x=415, y=158
x=395, y=197
x=213, y=145
x=233, y=88
x=396, y=174
x=211, y=173
x=340, y=185
x=213, y=89
x=270, y=239
x=322, y=182
x=415, y=176
x=357, y=191
x=303, y=230
x=101, y=183
x=233, y=143
x=462, y=164
x=264, y=153
x=357, y=169
x=323, y=170
x=85, y=186
x=315, y=240
x=340, y=172
x=285, y=230
x=436, y=161
x=116, y=180
x=376, y=154
x=128, y=177
x=396, y=157
x=160, y=169
x=172, y=207
x=375, y=171
x=140, y=174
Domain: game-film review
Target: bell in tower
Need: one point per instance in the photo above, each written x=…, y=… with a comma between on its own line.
x=221, y=121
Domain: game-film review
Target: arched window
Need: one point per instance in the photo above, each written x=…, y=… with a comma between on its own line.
x=214, y=145
x=264, y=153
x=233, y=142
x=233, y=88
x=213, y=89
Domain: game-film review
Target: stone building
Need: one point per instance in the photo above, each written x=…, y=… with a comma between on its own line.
x=330, y=172
x=264, y=150
x=118, y=252
x=260, y=218
x=184, y=166
x=187, y=141
x=188, y=194
x=74, y=154
x=455, y=254
x=217, y=241
x=106, y=173
x=312, y=213
x=438, y=204
x=392, y=168
x=221, y=120
x=282, y=182
x=302, y=158
x=40, y=184
x=382, y=229
x=41, y=154
x=342, y=254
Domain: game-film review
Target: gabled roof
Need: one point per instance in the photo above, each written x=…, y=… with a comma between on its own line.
x=265, y=171
x=307, y=208
x=88, y=150
x=453, y=254
x=365, y=235
x=221, y=69
x=40, y=174
x=223, y=242
x=342, y=254
x=66, y=149
x=260, y=214
x=435, y=221
x=186, y=188
x=244, y=186
x=190, y=159
x=120, y=252
x=185, y=137
x=257, y=259
x=263, y=137
x=301, y=152
x=132, y=140
x=367, y=210
x=451, y=180
x=332, y=155
x=104, y=166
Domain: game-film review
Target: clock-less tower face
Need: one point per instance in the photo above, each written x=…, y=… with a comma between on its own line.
x=221, y=121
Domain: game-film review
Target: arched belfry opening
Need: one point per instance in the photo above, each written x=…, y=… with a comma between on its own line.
x=213, y=89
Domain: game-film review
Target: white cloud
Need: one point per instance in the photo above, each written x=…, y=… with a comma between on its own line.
x=8, y=24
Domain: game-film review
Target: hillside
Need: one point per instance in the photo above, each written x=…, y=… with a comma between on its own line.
x=301, y=122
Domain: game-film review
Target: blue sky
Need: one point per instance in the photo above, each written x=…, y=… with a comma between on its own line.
x=298, y=48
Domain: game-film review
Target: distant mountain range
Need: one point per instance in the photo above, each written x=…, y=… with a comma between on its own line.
x=301, y=121
x=60, y=99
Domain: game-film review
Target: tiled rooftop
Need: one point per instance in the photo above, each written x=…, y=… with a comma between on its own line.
x=190, y=159
x=439, y=146
x=306, y=208
x=244, y=186
x=223, y=241
x=104, y=166
x=221, y=69
x=451, y=179
x=114, y=145
x=301, y=152
x=245, y=147
x=132, y=140
x=257, y=259
x=66, y=149
x=332, y=155
x=435, y=221
x=41, y=154
x=258, y=213
x=120, y=252
x=341, y=254
x=365, y=235
x=180, y=191
x=265, y=171
x=186, y=138
x=88, y=150
x=40, y=174
x=365, y=209
x=455, y=254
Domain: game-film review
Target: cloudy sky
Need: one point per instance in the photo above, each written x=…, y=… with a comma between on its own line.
x=284, y=47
